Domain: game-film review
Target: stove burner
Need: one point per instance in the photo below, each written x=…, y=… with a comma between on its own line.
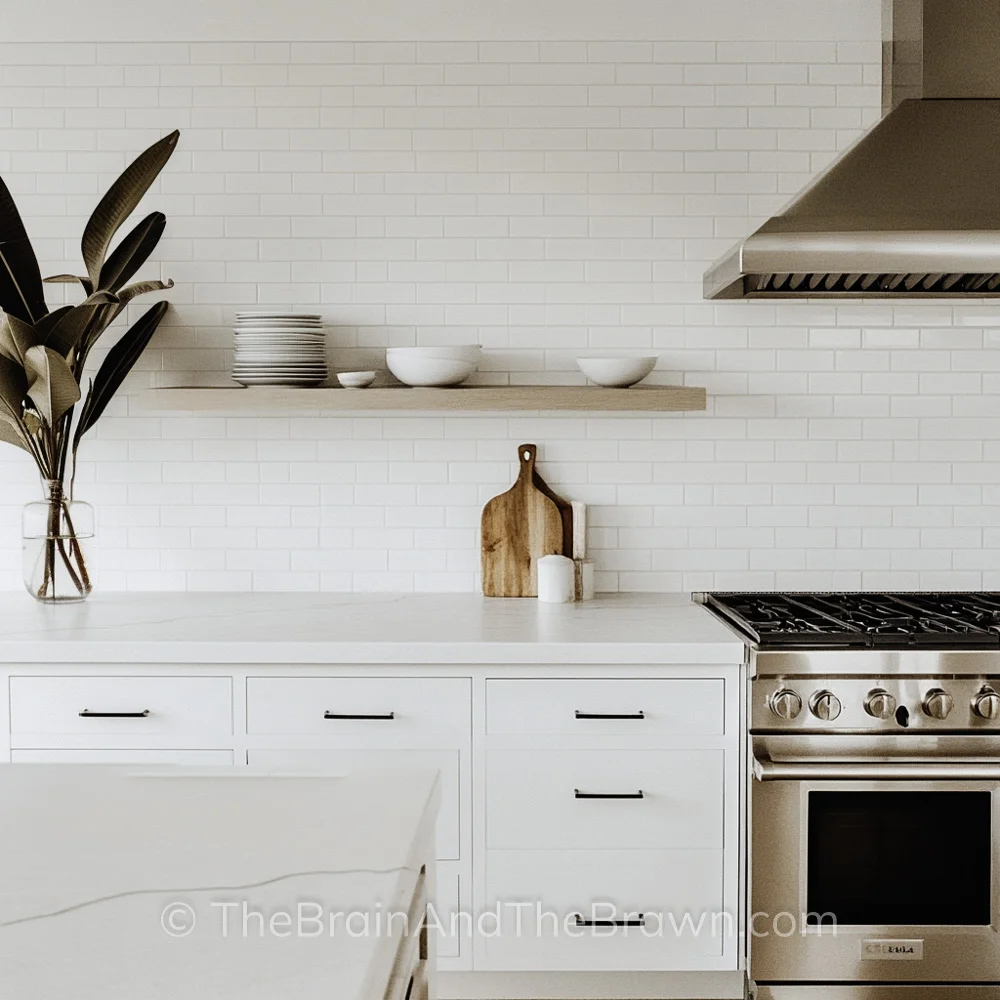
x=863, y=620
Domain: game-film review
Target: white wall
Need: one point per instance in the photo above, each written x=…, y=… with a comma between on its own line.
x=543, y=197
x=441, y=20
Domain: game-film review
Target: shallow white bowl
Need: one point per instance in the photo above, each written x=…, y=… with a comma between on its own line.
x=432, y=366
x=616, y=373
x=356, y=380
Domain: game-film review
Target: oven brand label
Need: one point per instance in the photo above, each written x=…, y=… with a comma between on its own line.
x=892, y=950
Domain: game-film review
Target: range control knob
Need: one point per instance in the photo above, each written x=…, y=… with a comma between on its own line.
x=785, y=704
x=938, y=704
x=825, y=705
x=986, y=704
x=880, y=704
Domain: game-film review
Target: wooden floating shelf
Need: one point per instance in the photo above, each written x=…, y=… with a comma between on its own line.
x=270, y=399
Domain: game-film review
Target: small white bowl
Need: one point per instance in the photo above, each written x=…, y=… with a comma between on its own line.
x=433, y=366
x=616, y=373
x=356, y=380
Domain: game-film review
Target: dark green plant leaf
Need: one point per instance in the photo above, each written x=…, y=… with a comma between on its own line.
x=46, y=324
x=51, y=387
x=132, y=252
x=66, y=333
x=16, y=337
x=70, y=279
x=21, y=292
x=129, y=292
x=10, y=433
x=119, y=362
x=101, y=297
x=13, y=388
x=120, y=202
x=103, y=318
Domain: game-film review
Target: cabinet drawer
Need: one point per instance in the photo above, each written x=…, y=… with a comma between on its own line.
x=169, y=707
x=581, y=707
x=384, y=707
x=448, y=834
x=211, y=758
x=545, y=799
x=677, y=895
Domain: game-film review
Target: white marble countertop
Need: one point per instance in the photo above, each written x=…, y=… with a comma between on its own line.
x=368, y=628
x=122, y=879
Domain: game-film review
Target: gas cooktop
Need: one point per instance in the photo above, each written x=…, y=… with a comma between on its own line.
x=863, y=620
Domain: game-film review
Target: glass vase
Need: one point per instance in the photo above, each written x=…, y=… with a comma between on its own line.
x=57, y=542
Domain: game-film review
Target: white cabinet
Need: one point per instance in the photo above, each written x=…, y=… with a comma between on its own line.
x=614, y=910
x=604, y=799
x=609, y=838
x=411, y=708
x=348, y=723
x=605, y=707
x=171, y=709
x=565, y=790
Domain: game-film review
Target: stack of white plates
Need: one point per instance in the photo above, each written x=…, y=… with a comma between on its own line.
x=277, y=348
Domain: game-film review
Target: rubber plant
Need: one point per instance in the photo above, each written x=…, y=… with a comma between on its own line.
x=43, y=353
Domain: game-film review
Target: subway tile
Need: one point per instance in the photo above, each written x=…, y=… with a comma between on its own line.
x=541, y=198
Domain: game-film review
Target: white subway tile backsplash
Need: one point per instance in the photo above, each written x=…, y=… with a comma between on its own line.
x=544, y=199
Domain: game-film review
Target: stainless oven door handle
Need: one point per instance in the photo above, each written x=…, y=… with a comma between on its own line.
x=931, y=770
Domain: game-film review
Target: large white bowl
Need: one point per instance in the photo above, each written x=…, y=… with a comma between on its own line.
x=616, y=373
x=433, y=366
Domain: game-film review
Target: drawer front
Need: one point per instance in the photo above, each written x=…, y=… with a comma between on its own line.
x=379, y=707
x=556, y=799
x=211, y=758
x=580, y=707
x=448, y=835
x=676, y=896
x=115, y=706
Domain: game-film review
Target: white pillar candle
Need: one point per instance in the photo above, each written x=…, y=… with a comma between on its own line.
x=556, y=580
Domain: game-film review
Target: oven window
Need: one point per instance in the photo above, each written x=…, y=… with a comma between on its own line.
x=900, y=857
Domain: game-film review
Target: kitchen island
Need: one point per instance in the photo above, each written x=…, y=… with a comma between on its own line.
x=215, y=885
x=590, y=754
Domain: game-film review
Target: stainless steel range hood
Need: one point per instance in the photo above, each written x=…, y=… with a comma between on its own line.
x=913, y=208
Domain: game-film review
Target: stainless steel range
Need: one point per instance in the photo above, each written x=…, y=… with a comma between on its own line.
x=874, y=848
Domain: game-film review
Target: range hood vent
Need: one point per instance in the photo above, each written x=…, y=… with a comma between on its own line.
x=913, y=208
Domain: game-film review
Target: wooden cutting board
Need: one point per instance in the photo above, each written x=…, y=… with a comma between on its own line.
x=518, y=528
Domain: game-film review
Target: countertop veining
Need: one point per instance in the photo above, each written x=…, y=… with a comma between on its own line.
x=362, y=628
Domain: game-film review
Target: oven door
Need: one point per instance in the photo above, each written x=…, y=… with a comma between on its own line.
x=875, y=872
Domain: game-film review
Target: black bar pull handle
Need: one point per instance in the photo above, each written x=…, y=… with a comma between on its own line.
x=388, y=717
x=577, y=794
x=635, y=716
x=87, y=714
x=639, y=921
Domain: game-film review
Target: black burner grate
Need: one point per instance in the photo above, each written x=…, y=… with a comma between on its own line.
x=864, y=620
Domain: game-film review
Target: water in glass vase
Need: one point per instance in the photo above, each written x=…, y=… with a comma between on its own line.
x=57, y=543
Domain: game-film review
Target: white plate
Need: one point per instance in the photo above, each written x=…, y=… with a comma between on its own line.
x=290, y=370
x=313, y=345
x=280, y=359
x=278, y=350
x=246, y=380
x=278, y=331
x=270, y=359
x=278, y=315
x=242, y=324
x=264, y=369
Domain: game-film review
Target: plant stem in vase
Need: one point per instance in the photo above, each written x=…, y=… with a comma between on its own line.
x=57, y=534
